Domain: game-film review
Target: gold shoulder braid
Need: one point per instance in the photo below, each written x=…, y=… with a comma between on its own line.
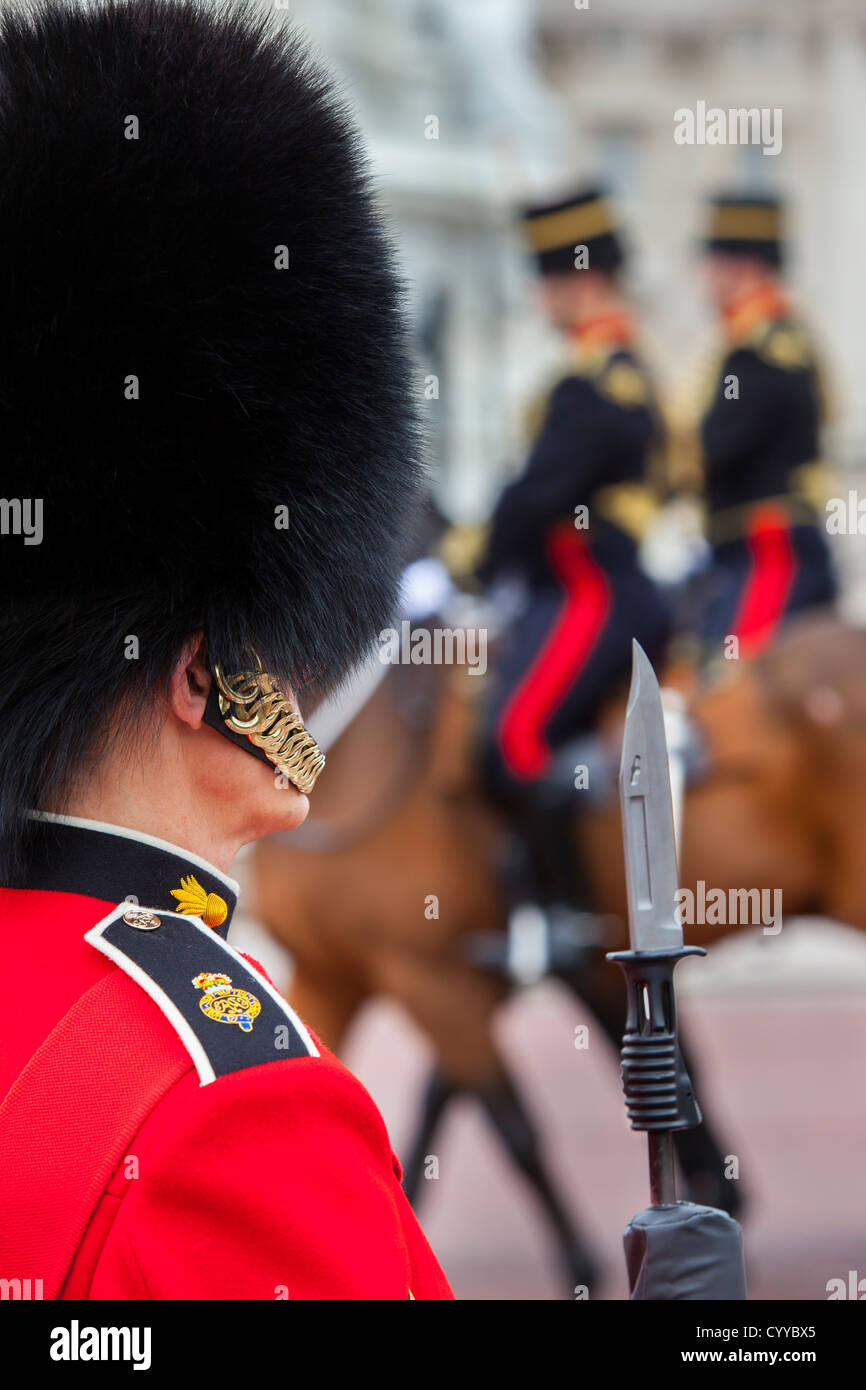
x=624, y=384
x=252, y=703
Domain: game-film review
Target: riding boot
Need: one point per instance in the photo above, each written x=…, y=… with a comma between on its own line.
x=551, y=842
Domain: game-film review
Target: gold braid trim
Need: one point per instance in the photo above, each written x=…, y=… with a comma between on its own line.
x=252, y=703
x=742, y=221
x=553, y=231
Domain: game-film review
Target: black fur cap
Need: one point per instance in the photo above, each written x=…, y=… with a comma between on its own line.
x=167, y=389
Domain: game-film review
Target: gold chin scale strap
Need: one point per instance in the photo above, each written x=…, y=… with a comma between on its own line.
x=252, y=705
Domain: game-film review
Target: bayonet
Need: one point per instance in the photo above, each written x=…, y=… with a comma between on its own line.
x=658, y=1092
x=647, y=816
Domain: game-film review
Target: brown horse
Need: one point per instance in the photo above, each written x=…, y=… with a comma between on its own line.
x=397, y=873
x=395, y=865
x=781, y=805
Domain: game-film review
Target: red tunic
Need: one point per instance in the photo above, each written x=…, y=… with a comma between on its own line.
x=274, y=1181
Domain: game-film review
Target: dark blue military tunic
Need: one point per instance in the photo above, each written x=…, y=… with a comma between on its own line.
x=570, y=526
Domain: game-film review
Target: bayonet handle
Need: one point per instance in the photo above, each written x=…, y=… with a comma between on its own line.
x=657, y=1088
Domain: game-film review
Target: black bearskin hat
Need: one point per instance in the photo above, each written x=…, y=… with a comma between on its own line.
x=205, y=394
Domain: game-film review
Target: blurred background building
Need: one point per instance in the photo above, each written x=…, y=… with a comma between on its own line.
x=470, y=108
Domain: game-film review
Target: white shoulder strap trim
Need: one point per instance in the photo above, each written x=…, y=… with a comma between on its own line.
x=95, y=936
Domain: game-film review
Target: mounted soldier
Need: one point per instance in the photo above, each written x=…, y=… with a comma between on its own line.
x=569, y=528
x=761, y=414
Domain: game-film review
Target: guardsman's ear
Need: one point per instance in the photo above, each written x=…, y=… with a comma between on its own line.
x=190, y=683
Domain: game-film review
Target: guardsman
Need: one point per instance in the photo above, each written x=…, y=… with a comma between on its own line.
x=764, y=485
x=210, y=455
x=571, y=524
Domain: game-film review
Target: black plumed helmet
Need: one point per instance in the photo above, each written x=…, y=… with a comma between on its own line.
x=204, y=379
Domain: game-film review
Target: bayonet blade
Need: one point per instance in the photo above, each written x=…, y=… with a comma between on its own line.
x=647, y=815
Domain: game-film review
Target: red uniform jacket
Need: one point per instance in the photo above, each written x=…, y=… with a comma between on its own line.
x=264, y=1171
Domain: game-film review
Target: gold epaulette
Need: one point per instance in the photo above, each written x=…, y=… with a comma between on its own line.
x=782, y=345
x=617, y=380
x=787, y=345
x=624, y=384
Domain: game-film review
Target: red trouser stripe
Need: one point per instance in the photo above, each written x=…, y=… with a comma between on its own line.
x=561, y=658
x=774, y=567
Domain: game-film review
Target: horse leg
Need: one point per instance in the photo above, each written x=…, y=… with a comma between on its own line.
x=454, y=1004
x=700, y=1157
x=505, y=1110
x=438, y=1093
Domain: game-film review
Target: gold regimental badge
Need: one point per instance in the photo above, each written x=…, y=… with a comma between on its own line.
x=224, y=1004
x=193, y=901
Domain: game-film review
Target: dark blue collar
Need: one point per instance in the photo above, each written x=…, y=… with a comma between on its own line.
x=71, y=855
